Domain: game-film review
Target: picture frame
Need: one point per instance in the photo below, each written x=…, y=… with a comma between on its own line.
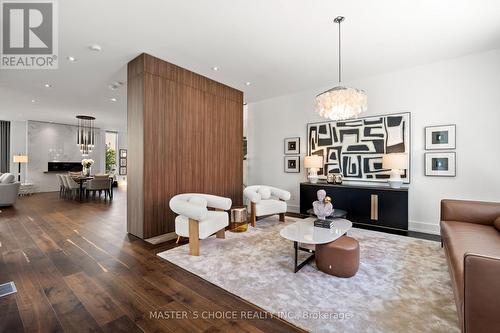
x=440, y=137
x=292, y=164
x=292, y=146
x=123, y=171
x=123, y=153
x=123, y=162
x=440, y=164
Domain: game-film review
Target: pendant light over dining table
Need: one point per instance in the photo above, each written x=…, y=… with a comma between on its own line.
x=85, y=136
x=341, y=103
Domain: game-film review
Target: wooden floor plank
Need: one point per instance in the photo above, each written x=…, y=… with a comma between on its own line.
x=10, y=320
x=95, y=299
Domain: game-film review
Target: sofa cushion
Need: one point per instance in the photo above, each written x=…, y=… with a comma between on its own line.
x=497, y=223
x=265, y=192
x=270, y=207
x=213, y=222
x=461, y=238
x=7, y=178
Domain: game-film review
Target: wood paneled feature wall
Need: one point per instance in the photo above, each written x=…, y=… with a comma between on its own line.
x=185, y=134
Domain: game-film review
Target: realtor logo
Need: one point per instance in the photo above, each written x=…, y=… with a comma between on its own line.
x=29, y=34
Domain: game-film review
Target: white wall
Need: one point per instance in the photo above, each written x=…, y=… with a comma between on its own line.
x=462, y=91
x=56, y=142
x=17, y=146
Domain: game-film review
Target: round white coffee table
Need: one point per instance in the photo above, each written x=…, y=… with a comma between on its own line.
x=304, y=232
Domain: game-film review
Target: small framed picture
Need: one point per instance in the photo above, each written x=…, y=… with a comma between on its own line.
x=292, y=164
x=440, y=137
x=440, y=164
x=123, y=171
x=292, y=146
x=123, y=162
x=123, y=153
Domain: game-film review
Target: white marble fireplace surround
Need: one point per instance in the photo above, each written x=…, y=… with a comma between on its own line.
x=50, y=142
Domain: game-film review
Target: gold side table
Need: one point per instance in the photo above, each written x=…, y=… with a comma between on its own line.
x=239, y=219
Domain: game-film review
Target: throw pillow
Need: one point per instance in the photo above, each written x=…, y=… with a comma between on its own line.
x=497, y=223
x=8, y=178
x=265, y=193
x=198, y=201
x=2, y=176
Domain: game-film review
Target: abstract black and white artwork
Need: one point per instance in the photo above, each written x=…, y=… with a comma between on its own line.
x=355, y=147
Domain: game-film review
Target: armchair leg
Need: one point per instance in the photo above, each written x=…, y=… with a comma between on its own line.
x=282, y=217
x=194, y=238
x=253, y=217
x=221, y=233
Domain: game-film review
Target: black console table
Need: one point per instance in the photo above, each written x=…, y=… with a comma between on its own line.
x=378, y=206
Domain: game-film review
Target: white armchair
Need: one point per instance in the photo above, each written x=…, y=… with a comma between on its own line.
x=266, y=200
x=195, y=221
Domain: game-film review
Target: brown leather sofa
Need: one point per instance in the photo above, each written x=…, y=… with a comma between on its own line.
x=472, y=247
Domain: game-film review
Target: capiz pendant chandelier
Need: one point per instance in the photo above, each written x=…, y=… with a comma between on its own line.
x=341, y=103
x=85, y=135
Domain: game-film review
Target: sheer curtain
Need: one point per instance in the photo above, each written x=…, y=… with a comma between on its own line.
x=4, y=146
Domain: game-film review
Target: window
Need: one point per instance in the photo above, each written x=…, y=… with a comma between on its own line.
x=111, y=149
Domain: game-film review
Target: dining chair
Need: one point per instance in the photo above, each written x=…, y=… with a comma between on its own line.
x=100, y=183
x=73, y=187
x=74, y=174
x=62, y=187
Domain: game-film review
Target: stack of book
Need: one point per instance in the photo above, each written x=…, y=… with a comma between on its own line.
x=323, y=223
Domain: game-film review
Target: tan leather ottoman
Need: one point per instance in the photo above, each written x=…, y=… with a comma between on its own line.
x=339, y=258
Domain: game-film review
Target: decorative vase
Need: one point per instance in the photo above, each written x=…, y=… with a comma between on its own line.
x=86, y=171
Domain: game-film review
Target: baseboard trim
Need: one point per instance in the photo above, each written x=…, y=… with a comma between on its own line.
x=161, y=238
x=428, y=228
x=293, y=209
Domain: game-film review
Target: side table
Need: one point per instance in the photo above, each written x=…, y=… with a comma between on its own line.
x=239, y=219
x=26, y=189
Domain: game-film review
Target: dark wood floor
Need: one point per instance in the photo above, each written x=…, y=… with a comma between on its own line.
x=77, y=270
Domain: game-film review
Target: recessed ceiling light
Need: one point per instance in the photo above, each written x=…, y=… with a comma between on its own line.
x=115, y=85
x=47, y=85
x=247, y=83
x=33, y=101
x=112, y=99
x=70, y=58
x=95, y=47
x=215, y=68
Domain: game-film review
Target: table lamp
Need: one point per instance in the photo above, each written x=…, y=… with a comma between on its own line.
x=313, y=163
x=396, y=163
x=20, y=159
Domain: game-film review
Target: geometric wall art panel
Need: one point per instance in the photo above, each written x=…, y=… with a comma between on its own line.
x=355, y=147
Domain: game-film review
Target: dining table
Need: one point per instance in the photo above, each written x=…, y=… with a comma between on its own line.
x=81, y=180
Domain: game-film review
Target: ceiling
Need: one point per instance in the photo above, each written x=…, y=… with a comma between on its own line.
x=279, y=46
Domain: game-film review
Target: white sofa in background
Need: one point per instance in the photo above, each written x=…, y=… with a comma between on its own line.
x=195, y=221
x=266, y=200
x=9, y=189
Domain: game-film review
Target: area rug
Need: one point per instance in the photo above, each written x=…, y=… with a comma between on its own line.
x=402, y=284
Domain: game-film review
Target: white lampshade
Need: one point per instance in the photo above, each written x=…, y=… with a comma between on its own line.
x=20, y=159
x=397, y=161
x=313, y=161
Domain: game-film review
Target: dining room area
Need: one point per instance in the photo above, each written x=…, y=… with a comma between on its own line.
x=80, y=187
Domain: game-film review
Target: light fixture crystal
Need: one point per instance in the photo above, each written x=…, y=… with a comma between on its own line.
x=341, y=103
